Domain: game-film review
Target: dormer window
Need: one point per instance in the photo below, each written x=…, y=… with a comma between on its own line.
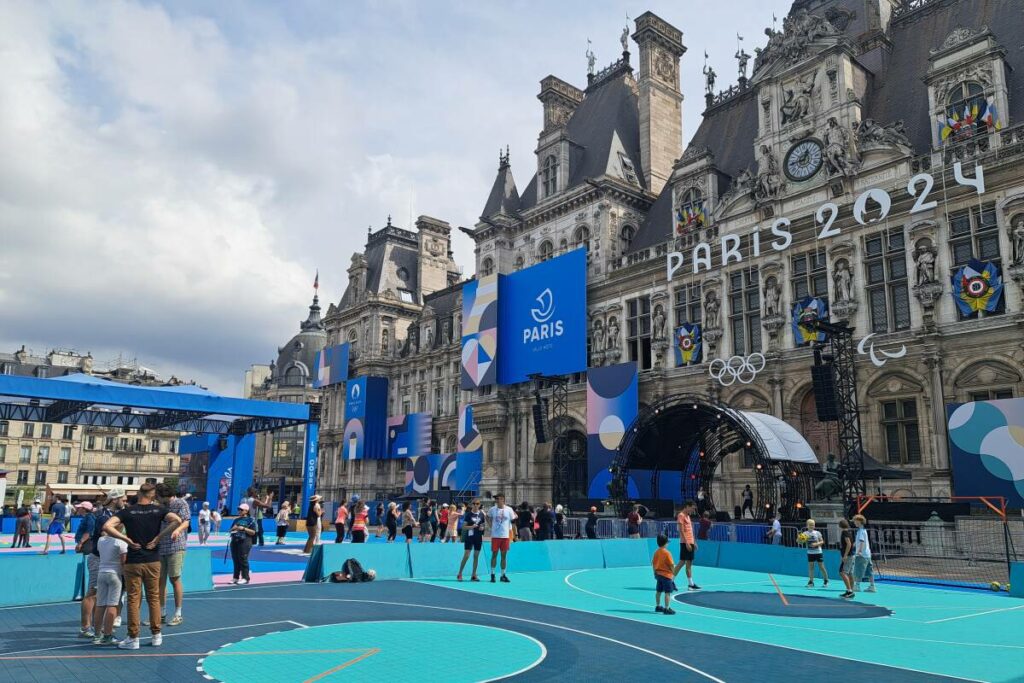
x=966, y=103
x=519, y=262
x=626, y=236
x=487, y=267
x=549, y=175
x=628, y=170
x=547, y=250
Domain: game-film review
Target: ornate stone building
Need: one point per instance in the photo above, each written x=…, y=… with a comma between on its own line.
x=767, y=205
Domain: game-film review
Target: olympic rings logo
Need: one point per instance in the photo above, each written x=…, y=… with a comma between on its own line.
x=742, y=369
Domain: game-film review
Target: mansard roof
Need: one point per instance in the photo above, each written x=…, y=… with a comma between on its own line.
x=388, y=250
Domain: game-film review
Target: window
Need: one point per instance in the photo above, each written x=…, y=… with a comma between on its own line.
x=46, y=431
x=991, y=394
x=745, y=311
x=810, y=275
x=65, y=456
x=519, y=262
x=422, y=375
x=638, y=331
x=546, y=251
x=964, y=98
x=487, y=267
x=122, y=444
x=885, y=266
x=23, y=477
x=628, y=169
x=154, y=446
x=62, y=477
x=690, y=217
x=172, y=446
x=406, y=296
x=549, y=176
x=438, y=401
x=899, y=424
x=43, y=457
x=28, y=430
x=25, y=455
x=5, y=427
x=421, y=401
x=626, y=236
x=747, y=455
x=974, y=233
x=170, y=464
x=6, y=369
x=108, y=443
x=42, y=372
x=40, y=476
x=3, y=452
x=581, y=238
x=687, y=304
x=69, y=432
x=137, y=445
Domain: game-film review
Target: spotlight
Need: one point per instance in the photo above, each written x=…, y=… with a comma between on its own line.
x=695, y=406
x=759, y=466
x=767, y=506
x=748, y=444
x=701, y=453
x=693, y=477
x=799, y=505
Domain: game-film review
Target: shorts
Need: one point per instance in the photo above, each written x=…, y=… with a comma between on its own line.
x=815, y=557
x=474, y=542
x=666, y=585
x=684, y=554
x=500, y=544
x=847, y=566
x=407, y=531
x=171, y=565
x=108, y=590
x=93, y=562
x=861, y=567
x=56, y=527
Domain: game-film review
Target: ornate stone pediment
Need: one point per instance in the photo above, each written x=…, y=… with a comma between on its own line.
x=802, y=33
x=986, y=374
x=960, y=36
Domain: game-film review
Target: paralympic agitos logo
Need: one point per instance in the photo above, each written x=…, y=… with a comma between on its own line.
x=546, y=328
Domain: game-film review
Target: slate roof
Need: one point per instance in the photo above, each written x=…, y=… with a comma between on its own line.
x=504, y=197
x=388, y=250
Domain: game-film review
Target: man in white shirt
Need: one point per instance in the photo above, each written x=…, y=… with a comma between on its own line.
x=501, y=533
x=204, y=522
x=776, y=532
x=862, y=555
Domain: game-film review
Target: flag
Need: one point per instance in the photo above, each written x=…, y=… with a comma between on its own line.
x=991, y=117
x=977, y=287
x=739, y=37
x=316, y=280
x=806, y=311
x=690, y=217
x=688, y=344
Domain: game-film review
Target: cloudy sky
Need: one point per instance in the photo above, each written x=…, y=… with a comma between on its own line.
x=172, y=174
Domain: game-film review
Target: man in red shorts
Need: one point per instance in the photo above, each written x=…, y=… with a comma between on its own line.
x=687, y=543
x=501, y=533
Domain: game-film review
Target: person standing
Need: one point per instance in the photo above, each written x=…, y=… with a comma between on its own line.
x=748, y=501
x=23, y=528
x=701, y=501
x=408, y=521
x=704, y=526
x=391, y=521
x=57, y=511
x=591, y=526
x=340, y=523
x=85, y=538
x=815, y=554
x=502, y=518
x=282, y=522
x=242, y=533
x=215, y=520
x=204, y=523
x=633, y=521
x=37, y=516
x=524, y=522
x=435, y=521
x=454, y=515
x=546, y=523
x=360, y=522
x=862, y=568
x=112, y=554
x=846, y=544
x=172, y=551
x=260, y=506
x=313, y=516
x=775, y=533
x=380, y=520
x=664, y=576
x=115, y=502
x=559, y=522
x=426, y=512
x=687, y=542
x=473, y=533
x=442, y=522
x=144, y=528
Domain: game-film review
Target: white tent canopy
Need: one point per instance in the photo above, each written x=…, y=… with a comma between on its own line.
x=780, y=438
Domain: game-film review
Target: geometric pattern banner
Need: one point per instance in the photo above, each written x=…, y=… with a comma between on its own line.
x=366, y=426
x=430, y=473
x=331, y=366
x=469, y=436
x=470, y=452
x=409, y=435
x=986, y=449
x=612, y=405
x=480, y=332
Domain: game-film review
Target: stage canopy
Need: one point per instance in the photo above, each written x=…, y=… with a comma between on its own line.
x=780, y=438
x=82, y=399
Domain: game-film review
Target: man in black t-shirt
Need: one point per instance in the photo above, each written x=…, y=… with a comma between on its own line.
x=142, y=524
x=473, y=534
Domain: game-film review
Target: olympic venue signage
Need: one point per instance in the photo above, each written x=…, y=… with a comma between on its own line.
x=919, y=187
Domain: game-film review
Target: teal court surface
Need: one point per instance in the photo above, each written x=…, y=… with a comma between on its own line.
x=567, y=625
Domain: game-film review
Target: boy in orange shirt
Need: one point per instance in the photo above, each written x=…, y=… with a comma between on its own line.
x=664, y=573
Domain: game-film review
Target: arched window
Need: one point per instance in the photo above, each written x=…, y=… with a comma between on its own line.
x=581, y=238
x=294, y=376
x=487, y=267
x=967, y=101
x=546, y=251
x=549, y=175
x=563, y=245
x=626, y=236
x=690, y=215
x=353, y=343
x=519, y=262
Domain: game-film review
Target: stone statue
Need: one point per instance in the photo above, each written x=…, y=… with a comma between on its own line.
x=772, y=295
x=430, y=337
x=837, y=149
x=742, y=58
x=709, y=79
x=591, y=59
x=613, y=333
x=384, y=335
x=597, y=336
x=446, y=332
x=745, y=181
x=769, y=179
x=895, y=134
x=711, y=309
x=925, y=265
x=1018, y=239
x=831, y=484
x=871, y=134
x=843, y=279
x=366, y=337
x=659, y=323
x=624, y=39
x=798, y=99
x=87, y=364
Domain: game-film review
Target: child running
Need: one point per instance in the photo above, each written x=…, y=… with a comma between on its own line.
x=664, y=575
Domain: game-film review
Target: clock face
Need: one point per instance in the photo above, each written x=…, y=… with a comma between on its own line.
x=803, y=160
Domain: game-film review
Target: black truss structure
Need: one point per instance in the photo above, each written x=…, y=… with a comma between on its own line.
x=839, y=343
x=558, y=425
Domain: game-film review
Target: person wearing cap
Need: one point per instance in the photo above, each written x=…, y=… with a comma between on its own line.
x=282, y=521
x=242, y=531
x=56, y=525
x=591, y=526
x=85, y=539
x=313, y=515
x=204, y=523
x=115, y=502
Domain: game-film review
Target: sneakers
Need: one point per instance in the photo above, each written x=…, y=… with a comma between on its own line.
x=694, y=587
x=492, y=578
x=176, y=620
x=117, y=621
x=459, y=577
x=236, y=580
x=163, y=620
x=104, y=640
x=158, y=640
x=659, y=608
x=669, y=610
x=870, y=589
x=504, y=579
x=825, y=585
x=810, y=584
x=846, y=595
x=128, y=644
x=86, y=633
x=242, y=582
x=475, y=578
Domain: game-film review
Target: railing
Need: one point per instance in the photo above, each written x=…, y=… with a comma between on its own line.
x=126, y=467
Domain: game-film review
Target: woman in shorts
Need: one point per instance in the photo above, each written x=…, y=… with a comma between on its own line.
x=454, y=514
x=108, y=587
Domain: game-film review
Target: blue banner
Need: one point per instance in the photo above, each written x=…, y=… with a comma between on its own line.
x=480, y=331
x=807, y=311
x=310, y=463
x=409, y=435
x=542, y=318
x=688, y=344
x=613, y=400
x=229, y=465
x=366, y=410
x=331, y=366
x=986, y=448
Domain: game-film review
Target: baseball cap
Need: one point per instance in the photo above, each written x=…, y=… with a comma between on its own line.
x=85, y=505
x=593, y=508
x=113, y=494
x=243, y=506
x=444, y=505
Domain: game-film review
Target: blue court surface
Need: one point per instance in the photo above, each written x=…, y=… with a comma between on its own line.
x=563, y=625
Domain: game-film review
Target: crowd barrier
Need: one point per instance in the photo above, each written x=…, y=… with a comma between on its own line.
x=434, y=560
x=37, y=579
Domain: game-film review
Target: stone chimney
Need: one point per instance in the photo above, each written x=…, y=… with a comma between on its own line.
x=435, y=261
x=560, y=100
x=661, y=102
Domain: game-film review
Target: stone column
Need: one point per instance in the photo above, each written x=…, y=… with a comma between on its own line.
x=939, y=445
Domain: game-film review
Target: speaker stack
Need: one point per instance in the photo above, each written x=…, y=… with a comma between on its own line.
x=823, y=378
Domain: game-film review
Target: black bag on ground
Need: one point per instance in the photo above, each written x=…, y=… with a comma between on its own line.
x=353, y=570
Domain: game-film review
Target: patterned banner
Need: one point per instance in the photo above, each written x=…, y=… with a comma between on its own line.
x=688, y=345
x=612, y=405
x=977, y=287
x=331, y=366
x=430, y=473
x=806, y=311
x=409, y=435
x=480, y=332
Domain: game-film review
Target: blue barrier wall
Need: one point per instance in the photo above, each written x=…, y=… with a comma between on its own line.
x=1017, y=579
x=197, y=574
x=625, y=552
x=571, y=554
x=433, y=560
x=34, y=579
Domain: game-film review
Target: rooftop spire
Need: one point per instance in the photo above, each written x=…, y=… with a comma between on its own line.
x=312, y=322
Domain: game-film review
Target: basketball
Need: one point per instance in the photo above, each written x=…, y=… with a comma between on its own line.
x=996, y=586
x=1007, y=588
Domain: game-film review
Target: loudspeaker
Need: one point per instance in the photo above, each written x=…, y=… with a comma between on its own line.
x=540, y=423
x=823, y=377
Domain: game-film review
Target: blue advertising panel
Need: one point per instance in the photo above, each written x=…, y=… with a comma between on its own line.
x=986, y=449
x=366, y=416
x=229, y=465
x=409, y=435
x=542, y=319
x=331, y=366
x=613, y=400
x=310, y=463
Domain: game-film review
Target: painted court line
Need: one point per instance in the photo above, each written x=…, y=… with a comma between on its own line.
x=779, y=591
x=977, y=614
x=492, y=615
x=341, y=667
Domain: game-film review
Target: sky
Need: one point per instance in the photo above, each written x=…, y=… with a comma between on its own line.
x=173, y=174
